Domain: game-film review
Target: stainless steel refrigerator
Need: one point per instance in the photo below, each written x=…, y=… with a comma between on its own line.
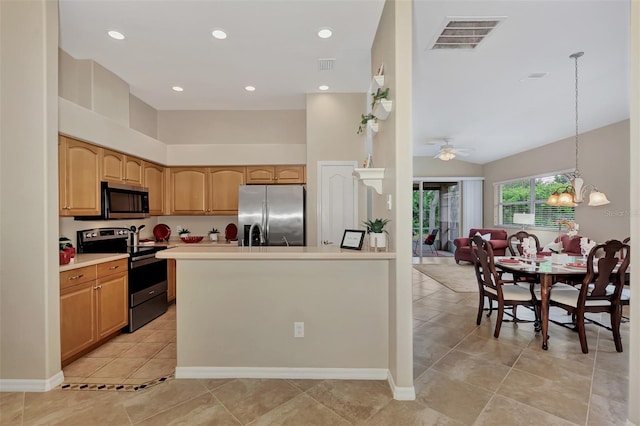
x=277, y=213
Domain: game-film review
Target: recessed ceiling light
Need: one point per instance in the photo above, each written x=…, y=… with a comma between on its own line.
x=323, y=87
x=325, y=33
x=177, y=88
x=219, y=34
x=250, y=89
x=116, y=35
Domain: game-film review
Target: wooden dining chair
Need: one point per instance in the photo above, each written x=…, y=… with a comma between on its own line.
x=494, y=288
x=514, y=242
x=600, y=290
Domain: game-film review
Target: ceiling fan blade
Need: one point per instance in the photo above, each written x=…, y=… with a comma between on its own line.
x=463, y=153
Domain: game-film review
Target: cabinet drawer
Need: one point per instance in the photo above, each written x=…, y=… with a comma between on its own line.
x=77, y=276
x=113, y=267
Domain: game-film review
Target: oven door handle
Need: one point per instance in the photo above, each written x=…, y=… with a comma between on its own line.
x=138, y=261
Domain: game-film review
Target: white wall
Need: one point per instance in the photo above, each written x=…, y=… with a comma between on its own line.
x=29, y=277
x=143, y=117
x=331, y=136
x=392, y=150
x=603, y=161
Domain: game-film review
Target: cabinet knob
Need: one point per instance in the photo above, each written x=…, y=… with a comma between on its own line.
x=114, y=267
x=75, y=277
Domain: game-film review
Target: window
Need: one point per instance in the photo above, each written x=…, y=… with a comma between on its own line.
x=529, y=196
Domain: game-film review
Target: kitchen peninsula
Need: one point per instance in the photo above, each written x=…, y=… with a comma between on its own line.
x=239, y=308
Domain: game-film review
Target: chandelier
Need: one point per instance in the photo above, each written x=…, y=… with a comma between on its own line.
x=574, y=194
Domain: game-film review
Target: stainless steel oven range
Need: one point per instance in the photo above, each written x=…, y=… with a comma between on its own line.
x=147, y=274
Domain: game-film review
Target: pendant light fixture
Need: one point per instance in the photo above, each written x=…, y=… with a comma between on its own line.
x=574, y=194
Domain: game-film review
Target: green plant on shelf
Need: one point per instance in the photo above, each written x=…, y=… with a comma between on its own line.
x=184, y=231
x=214, y=231
x=378, y=96
x=364, y=119
x=376, y=225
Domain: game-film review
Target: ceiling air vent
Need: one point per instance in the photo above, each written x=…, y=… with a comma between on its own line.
x=326, y=64
x=465, y=32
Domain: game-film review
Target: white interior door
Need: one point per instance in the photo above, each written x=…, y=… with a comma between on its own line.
x=337, y=201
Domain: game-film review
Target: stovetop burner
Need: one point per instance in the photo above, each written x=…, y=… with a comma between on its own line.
x=112, y=240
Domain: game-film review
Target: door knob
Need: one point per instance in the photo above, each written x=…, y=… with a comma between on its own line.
x=327, y=242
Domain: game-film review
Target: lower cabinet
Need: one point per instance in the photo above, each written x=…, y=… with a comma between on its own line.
x=93, y=310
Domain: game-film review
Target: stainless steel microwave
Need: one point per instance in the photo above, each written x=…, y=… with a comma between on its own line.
x=120, y=201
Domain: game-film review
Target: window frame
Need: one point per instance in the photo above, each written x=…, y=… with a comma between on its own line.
x=531, y=203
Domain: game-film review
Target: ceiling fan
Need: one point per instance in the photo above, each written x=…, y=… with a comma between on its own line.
x=447, y=151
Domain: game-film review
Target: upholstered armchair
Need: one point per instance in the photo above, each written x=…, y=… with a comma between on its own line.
x=496, y=237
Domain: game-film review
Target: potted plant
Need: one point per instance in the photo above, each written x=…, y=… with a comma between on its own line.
x=379, y=96
x=213, y=234
x=364, y=119
x=184, y=232
x=376, y=231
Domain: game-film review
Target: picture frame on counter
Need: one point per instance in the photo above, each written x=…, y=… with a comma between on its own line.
x=352, y=239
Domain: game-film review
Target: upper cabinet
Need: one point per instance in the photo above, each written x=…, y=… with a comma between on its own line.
x=118, y=167
x=153, y=177
x=275, y=174
x=79, y=177
x=205, y=190
x=188, y=190
x=223, y=189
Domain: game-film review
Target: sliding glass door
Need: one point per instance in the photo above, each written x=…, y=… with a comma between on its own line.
x=436, y=217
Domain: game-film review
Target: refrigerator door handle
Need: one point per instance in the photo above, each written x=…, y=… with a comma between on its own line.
x=266, y=222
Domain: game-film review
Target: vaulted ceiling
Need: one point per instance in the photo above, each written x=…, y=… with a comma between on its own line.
x=478, y=98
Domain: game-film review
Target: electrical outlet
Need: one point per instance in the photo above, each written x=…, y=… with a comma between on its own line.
x=298, y=329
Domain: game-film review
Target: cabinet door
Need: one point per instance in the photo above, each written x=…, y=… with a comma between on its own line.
x=153, y=178
x=77, y=318
x=132, y=170
x=290, y=174
x=188, y=192
x=223, y=189
x=80, y=178
x=112, y=166
x=171, y=280
x=112, y=304
x=260, y=174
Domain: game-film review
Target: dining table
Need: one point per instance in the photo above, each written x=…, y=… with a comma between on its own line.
x=547, y=273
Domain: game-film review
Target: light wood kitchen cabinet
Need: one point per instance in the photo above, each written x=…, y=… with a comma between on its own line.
x=93, y=306
x=78, y=329
x=171, y=280
x=276, y=174
x=79, y=177
x=122, y=168
x=223, y=189
x=188, y=190
x=205, y=190
x=153, y=177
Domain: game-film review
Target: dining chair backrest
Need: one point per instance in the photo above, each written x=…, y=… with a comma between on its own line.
x=483, y=261
x=594, y=285
x=514, y=242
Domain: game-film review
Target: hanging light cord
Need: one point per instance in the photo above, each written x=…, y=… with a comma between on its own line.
x=576, y=56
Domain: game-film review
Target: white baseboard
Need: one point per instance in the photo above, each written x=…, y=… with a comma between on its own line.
x=20, y=385
x=405, y=393
x=281, y=373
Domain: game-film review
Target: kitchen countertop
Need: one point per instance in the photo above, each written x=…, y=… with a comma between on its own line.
x=88, y=259
x=229, y=252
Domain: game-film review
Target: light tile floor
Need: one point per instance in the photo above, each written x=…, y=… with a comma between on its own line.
x=462, y=376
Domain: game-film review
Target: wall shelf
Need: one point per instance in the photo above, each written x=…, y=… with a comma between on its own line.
x=371, y=177
x=377, y=82
x=382, y=109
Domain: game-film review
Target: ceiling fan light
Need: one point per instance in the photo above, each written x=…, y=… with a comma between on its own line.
x=446, y=155
x=597, y=198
